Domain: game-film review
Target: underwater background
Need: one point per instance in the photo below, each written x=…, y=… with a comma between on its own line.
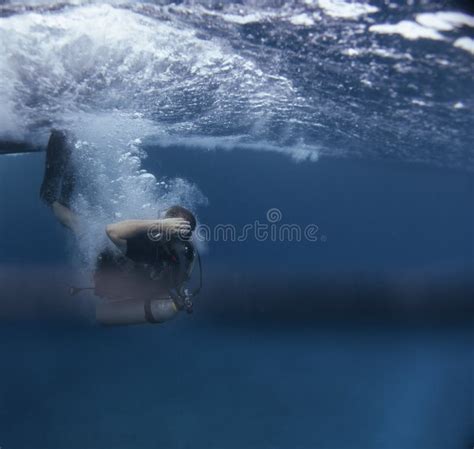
x=355, y=118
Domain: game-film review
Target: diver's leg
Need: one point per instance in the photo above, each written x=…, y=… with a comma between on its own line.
x=66, y=217
x=58, y=154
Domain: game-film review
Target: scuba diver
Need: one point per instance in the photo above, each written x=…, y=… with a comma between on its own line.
x=142, y=276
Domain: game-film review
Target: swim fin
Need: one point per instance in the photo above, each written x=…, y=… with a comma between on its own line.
x=58, y=154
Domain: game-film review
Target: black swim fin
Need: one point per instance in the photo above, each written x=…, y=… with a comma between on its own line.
x=58, y=154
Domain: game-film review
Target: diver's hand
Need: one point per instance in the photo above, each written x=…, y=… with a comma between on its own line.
x=175, y=226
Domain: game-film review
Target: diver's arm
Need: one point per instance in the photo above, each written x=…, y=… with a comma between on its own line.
x=120, y=232
x=65, y=216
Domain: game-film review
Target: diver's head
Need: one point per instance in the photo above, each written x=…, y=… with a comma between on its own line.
x=181, y=212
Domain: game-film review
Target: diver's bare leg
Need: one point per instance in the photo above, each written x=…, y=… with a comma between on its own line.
x=65, y=216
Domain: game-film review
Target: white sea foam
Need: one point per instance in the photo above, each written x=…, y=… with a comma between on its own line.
x=343, y=9
x=419, y=102
x=352, y=52
x=465, y=43
x=445, y=21
x=303, y=19
x=408, y=29
x=247, y=18
x=390, y=53
x=105, y=58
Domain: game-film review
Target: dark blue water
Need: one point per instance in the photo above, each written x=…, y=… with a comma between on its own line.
x=197, y=385
x=249, y=369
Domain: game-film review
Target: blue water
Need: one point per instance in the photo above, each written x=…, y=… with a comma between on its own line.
x=363, y=339
x=197, y=385
x=247, y=376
